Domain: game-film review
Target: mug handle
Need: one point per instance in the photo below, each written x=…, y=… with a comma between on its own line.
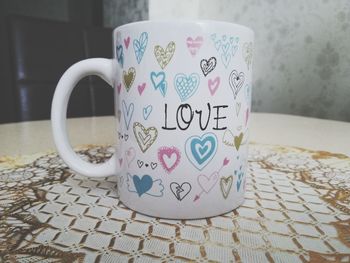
x=94, y=66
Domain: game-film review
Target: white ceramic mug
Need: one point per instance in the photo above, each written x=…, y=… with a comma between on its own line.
x=182, y=102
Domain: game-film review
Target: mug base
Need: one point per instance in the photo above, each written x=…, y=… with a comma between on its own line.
x=179, y=216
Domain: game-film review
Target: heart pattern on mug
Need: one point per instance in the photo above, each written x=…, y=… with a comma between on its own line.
x=169, y=158
x=128, y=78
x=186, y=86
x=141, y=88
x=213, y=85
x=194, y=45
x=180, y=68
x=130, y=155
x=247, y=53
x=159, y=82
x=128, y=111
x=145, y=185
x=240, y=176
x=238, y=140
x=140, y=46
x=200, y=150
x=207, y=183
x=234, y=141
x=226, y=47
x=153, y=165
x=225, y=185
x=144, y=137
x=208, y=66
x=147, y=111
x=127, y=42
x=180, y=191
x=164, y=56
x=120, y=55
x=236, y=81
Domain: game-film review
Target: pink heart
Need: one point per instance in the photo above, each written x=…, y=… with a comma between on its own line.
x=226, y=161
x=193, y=45
x=246, y=116
x=207, y=183
x=127, y=42
x=141, y=88
x=213, y=85
x=119, y=87
x=169, y=158
x=130, y=155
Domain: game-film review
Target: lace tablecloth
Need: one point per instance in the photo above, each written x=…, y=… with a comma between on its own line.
x=297, y=209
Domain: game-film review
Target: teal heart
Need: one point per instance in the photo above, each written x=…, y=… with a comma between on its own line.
x=226, y=58
x=217, y=44
x=186, y=86
x=147, y=111
x=142, y=185
x=201, y=150
x=120, y=55
x=159, y=82
x=128, y=111
x=225, y=48
x=239, y=179
x=140, y=46
x=238, y=184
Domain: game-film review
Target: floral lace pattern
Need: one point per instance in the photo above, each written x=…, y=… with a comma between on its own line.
x=297, y=209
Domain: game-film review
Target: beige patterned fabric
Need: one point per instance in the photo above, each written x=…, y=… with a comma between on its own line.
x=297, y=209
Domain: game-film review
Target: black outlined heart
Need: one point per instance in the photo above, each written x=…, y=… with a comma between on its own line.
x=208, y=66
x=180, y=191
x=236, y=81
x=154, y=165
x=140, y=163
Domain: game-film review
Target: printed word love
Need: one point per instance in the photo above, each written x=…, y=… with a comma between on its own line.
x=185, y=115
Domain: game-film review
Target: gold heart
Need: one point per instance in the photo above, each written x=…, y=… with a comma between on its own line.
x=164, y=56
x=225, y=185
x=144, y=137
x=238, y=140
x=128, y=78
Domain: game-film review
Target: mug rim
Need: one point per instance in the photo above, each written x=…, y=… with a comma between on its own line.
x=184, y=21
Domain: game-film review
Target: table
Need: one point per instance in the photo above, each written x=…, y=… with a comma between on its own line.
x=297, y=206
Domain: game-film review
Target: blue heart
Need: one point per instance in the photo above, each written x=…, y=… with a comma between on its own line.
x=186, y=86
x=226, y=47
x=203, y=152
x=238, y=184
x=239, y=180
x=128, y=111
x=142, y=185
x=120, y=55
x=159, y=82
x=147, y=111
x=140, y=46
x=226, y=58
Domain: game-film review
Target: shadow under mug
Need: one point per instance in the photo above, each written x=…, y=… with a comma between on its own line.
x=182, y=103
